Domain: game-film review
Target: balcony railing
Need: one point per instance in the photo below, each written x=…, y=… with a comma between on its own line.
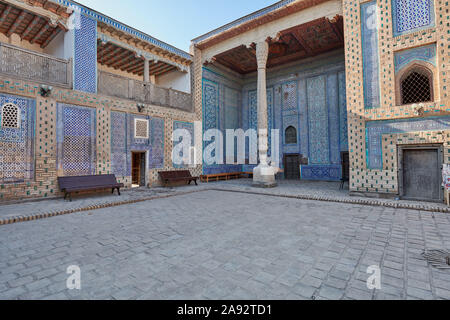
x=122, y=87
x=29, y=65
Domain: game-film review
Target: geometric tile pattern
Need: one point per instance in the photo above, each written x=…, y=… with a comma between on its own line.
x=343, y=127
x=376, y=129
x=411, y=15
x=181, y=125
x=16, y=139
x=424, y=53
x=119, y=149
x=76, y=140
x=319, y=152
x=370, y=55
x=395, y=51
x=85, y=56
x=321, y=172
x=157, y=141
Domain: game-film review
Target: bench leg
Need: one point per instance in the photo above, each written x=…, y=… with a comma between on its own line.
x=189, y=182
x=113, y=191
x=70, y=196
x=118, y=190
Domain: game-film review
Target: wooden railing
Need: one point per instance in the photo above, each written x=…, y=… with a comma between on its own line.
x=122, y=87
x=34, y=66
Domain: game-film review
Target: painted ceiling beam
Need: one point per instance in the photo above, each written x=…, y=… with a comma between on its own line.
x=30, y=27
x=16, y=23
x=301, y=40
x=35, y=8
x=336, y=30
x=119, y=58
x=110, y=54
x=5, y=14
x=145, y=54
x=41, y=32
x=169, y=69
x=130, y=63
x=52, y=36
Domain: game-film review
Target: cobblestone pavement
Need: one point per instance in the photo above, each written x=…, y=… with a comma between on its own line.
x=329, y=191
x=47, y=205
x=225, y=245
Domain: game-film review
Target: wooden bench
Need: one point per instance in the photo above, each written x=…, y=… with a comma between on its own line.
x=175, y=176
x=88, y=183
x=224, y=176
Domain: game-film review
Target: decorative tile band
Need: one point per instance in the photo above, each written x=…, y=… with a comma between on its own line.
x=371, y=59
x=424, y=53
x=376, y=129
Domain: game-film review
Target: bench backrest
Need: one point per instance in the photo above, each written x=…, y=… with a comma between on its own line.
x=86, y=181
x=175, y=174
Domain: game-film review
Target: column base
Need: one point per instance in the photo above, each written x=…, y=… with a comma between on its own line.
x=264, y=176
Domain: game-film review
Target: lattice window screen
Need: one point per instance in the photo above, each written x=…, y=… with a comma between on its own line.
x=10, y=116
x=141, y=129
x=416, y=87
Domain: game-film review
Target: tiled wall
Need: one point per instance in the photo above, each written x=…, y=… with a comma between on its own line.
x=311, y=98
x=308, y=96
x=85, y=56
x=407, y=31
x=72, y=132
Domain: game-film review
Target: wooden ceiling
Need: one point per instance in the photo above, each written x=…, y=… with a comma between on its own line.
x=119, y=58
x=29, y=26
x=303, y=41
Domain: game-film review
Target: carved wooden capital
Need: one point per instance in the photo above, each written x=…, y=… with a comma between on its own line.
x=262, y=54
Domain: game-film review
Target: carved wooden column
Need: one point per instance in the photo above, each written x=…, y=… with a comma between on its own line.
x=146, y=70
x=263, y=174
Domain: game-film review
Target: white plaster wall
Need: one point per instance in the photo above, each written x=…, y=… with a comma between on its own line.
x=177, y=80
x=56, y=47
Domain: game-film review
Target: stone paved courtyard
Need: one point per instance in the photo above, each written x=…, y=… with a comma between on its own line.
x=226, y=245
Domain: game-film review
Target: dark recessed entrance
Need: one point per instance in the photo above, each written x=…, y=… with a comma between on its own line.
x=138, y=169
x=421, y=173
x=292, y=166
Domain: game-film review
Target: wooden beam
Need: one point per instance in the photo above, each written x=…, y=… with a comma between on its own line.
x=119, y=58
x=103, y=49
x=169, y=69
x=137, y=70
x=129, y=63
x=52, y=36
x=30, y=27
x=165, y=66
x=43, y=30
x=16, y=23
x=157, y=66
x=299, y=38
x=137, y=67
x=5, y=14
x=336, y=30
x=110, y=54
x=37, y=8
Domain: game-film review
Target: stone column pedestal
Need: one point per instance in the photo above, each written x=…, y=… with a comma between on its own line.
x=264, y=173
